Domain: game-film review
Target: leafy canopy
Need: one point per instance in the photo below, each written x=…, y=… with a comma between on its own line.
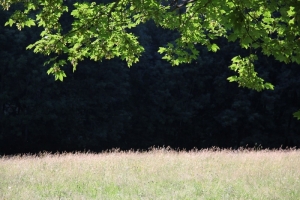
x=102, y=31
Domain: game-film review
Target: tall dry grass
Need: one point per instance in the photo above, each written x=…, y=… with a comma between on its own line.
x=157, y=174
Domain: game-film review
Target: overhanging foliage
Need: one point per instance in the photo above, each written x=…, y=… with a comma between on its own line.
x=103, y=31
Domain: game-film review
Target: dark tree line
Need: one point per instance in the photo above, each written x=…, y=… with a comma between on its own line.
x=106, y=104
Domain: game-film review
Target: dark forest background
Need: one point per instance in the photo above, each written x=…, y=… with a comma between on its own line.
x=106, y=104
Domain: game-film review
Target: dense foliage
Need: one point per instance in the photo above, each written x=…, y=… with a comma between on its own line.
x=102, y=29
x=106, y=104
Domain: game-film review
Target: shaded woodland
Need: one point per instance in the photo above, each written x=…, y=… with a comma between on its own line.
x=106, y=104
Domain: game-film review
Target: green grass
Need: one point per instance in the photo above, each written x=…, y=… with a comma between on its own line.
x=157, y=174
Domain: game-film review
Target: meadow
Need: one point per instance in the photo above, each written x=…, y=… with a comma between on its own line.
x=160, y=173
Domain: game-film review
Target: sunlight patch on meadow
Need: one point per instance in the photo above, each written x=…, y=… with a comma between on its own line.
x=156, y=174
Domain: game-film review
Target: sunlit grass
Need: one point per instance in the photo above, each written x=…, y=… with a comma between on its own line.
x=156, y=174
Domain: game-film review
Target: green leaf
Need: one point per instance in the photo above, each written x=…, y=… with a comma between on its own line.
x=30, y=23
x=297, y=114
x=214, y=47
x=161, y=50
x=232, y=78
x=291, y=12
x=60, y=75
x=10, y=22
x=269, y=86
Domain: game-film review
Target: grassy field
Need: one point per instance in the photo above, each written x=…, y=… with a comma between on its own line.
x=156, y=174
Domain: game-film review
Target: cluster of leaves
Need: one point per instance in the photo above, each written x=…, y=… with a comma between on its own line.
x=102, y=30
